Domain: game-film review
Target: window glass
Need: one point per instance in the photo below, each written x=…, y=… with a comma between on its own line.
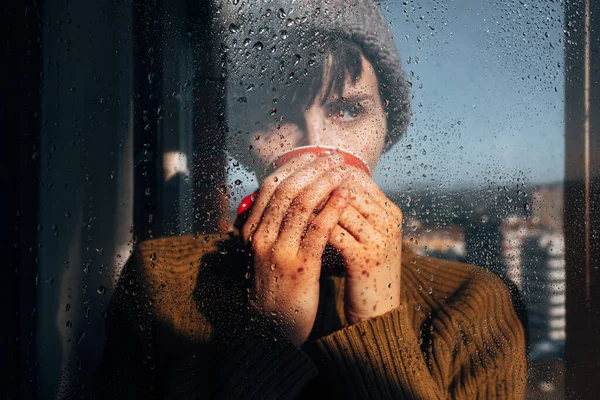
x=479, y=172
x=431, y=137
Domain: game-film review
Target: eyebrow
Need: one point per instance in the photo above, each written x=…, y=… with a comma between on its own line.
x=352, y=98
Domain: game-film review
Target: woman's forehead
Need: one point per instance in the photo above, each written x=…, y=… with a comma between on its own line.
x=365, y=84
x=260, y=86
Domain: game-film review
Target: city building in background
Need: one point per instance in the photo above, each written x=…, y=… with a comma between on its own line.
x=447, y=242
x=525, y=248
x=517, y=234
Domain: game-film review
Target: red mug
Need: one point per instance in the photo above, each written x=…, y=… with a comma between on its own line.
x=321, y=151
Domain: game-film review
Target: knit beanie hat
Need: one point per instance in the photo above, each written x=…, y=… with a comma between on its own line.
x=271, y=43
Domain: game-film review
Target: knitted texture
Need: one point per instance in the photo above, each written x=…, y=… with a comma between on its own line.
x=456, y=334
x=271, y=44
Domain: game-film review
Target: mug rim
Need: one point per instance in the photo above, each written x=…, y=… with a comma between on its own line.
x=328, y=150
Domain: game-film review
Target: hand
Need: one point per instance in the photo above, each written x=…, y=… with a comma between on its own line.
x=287, y=241
x=369, y=239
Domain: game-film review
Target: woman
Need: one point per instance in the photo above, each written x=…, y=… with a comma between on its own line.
x=313, y=294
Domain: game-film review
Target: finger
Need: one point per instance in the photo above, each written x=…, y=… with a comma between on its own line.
x=316, y=238
x=270, y=223
x=304, y=205
x=357, y=226
x=268, y=187
x=361, y=180
x=341, y=240
x=379, y=217
x=368, y=199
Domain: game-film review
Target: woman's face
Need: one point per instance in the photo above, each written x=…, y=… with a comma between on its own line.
x=355, y=122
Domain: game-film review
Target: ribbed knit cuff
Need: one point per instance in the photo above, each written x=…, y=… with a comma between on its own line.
x=376, y=358
x=266, y=369
x=254, y=367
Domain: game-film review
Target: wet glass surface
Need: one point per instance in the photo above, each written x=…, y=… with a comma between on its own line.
x=157, y=119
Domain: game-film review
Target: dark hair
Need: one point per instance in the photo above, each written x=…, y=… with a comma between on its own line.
x=273, y=53
x=281, y=83
x=339, y=60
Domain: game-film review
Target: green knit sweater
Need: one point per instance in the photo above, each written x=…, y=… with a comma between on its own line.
x=180, y=326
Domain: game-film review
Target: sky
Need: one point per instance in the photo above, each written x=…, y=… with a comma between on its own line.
x=488, y=93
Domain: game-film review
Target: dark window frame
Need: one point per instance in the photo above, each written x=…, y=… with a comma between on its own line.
x=582, y=197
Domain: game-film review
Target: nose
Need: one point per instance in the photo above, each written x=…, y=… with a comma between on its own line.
x=315, y=132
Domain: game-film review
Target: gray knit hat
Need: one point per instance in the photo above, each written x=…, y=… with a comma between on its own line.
x=271, y=42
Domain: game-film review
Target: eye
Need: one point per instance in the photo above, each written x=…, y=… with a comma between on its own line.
x=346, y=111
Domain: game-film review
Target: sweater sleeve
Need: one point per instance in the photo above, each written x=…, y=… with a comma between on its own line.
x=476, y=342
x=254, y=363
x=175, y=331
x=474, y=348
x=124, y=370
x=375, y=359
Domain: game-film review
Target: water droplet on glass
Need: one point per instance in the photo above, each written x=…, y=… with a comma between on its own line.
x=281, y=13
x=101, y=290
x=81, y=337
x=258, y=46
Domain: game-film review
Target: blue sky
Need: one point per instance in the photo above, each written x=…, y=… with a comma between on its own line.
x=491, y=100
x=488, y=94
